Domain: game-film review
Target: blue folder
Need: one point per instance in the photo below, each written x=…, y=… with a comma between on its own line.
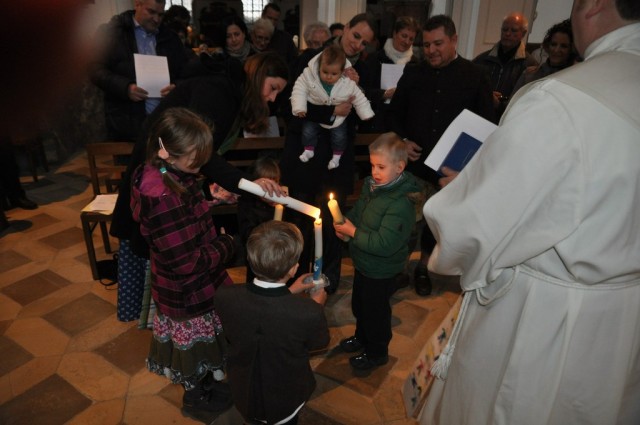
x=461, y=153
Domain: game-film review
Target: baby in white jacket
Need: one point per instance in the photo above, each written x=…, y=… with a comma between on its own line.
x=322, y=83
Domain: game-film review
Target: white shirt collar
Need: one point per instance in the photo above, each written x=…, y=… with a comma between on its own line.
x=263, y=284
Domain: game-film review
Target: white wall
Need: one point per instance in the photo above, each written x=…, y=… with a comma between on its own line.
x=548, y=13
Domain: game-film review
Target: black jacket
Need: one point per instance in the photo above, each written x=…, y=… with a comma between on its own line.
x=428, y=99
x=116, y=70
x=270, y=334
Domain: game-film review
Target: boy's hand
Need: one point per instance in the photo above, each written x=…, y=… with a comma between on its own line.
x=319, y=295
x=301, y=114
x=345, y=229
x=299, y=286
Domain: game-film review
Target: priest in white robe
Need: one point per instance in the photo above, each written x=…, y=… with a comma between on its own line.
x=543, y=226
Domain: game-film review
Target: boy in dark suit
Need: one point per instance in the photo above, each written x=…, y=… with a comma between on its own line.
x=271, y=330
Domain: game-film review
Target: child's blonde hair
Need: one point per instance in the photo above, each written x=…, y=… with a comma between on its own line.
x=273, y=248
x=180, y=132
x=392, y=145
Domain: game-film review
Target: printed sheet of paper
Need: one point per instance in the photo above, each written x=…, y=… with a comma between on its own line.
x=152, y=73
x=390, y=75
x=103, y=204
x=467, y=122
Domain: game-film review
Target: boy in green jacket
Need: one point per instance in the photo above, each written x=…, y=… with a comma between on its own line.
x=379, y=226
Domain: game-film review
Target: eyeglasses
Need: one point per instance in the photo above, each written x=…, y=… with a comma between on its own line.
x=262, y=38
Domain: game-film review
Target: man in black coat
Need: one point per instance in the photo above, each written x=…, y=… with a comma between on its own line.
x=135, y=31
x=281, y=41
x=428, y=98
x=506, y=60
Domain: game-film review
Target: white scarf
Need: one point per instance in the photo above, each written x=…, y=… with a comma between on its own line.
x=399, y=58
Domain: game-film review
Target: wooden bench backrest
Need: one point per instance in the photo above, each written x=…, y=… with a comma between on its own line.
x=101, y=158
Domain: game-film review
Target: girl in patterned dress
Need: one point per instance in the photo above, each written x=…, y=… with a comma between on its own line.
x=187, y=261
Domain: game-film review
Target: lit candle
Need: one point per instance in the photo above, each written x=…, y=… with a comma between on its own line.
x=317, y=262
x=337, y=214
x=277, y=213
x=287, y=201
x=335, y=210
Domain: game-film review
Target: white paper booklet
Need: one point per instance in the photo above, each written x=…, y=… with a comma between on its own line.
x=103, y=204
x=464, y=127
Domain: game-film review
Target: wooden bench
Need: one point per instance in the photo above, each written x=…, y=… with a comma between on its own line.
x=245, y=151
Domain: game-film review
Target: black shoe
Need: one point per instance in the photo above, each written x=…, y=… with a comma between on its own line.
x=422, y=281
x=24, y=203
x=204, y=406
x=206, y=401
x=351, y=345
x=364, y=362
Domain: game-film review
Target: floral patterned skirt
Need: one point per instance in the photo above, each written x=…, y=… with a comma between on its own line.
x=185, y=351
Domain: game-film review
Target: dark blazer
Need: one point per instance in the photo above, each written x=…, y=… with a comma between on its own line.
x=282, y=43
x=428, y=99
x=116, y=70
x=270, y=333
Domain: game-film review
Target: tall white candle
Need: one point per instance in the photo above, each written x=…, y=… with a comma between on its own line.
x=287, y=201
x=335, y=210
x=277, y=213
x=317, y=262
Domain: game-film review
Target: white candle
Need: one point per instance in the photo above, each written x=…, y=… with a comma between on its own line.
x=287, y=201
x=317, y=262
x=337, y=214
x=277, y=213
x=335, y=210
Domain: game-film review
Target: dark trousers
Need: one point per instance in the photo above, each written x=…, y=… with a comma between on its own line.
x=427, y=240
x=9, y=172
x=372, y=310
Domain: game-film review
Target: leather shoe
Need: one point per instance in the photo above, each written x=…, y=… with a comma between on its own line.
x=351, y=345
x=422, y=281
x=365, y=362
x=24, y=203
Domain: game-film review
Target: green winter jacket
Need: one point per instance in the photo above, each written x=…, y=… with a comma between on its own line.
x=384, y=219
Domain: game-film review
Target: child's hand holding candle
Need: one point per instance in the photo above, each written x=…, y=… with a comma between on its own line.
x=346, y=230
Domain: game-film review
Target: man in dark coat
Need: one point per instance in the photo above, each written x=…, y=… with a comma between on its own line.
x=281, y=41
x=135, y=31
x=506, y=60
x=429, y=96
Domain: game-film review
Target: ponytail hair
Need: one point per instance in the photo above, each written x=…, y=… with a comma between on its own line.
x=179, y=132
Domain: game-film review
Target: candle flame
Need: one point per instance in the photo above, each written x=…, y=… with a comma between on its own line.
x=330, y=195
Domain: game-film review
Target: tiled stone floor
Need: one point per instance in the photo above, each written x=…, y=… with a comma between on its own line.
x=66, y=359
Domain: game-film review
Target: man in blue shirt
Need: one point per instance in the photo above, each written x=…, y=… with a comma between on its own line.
x=134, y=31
